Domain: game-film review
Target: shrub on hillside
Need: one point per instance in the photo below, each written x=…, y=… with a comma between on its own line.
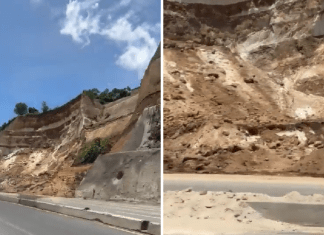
x=92, y=93
x=91, y=151
x=32, y=110
x=45, y=107
x=20, y=109
x=107, y=96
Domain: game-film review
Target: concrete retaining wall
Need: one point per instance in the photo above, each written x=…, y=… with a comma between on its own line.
x=129, y=176
x=319, y=29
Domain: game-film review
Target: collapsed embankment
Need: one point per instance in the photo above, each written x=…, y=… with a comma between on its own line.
x=243, y=87
x=38, y=152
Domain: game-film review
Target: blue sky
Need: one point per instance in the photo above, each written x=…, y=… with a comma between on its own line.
x=52, y=50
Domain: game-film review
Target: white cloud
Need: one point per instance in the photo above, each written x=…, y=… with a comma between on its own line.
x=136, y=58
x=83, y=19
x=80, y=27
x=140, y=44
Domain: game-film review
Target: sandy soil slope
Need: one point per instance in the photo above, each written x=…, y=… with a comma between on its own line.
x=243, y=88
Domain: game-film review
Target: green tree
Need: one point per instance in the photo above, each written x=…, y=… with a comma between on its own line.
x=123, y=93
x=95, y=91
x=20, y=109
x=45, y=107
x=92, y=93
x=105, y=92
x=32, y=110
x=114, y=91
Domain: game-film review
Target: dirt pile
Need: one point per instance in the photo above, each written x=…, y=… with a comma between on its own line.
x=38, y=152
x=243, y=87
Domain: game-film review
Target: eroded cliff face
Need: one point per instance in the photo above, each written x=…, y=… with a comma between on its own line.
x=38, y=152
x=243, y=85
x=132, y=169
x=149, y=101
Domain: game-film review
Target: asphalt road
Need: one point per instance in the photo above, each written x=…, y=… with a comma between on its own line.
x=21, y=220
x=264, y=185
x=294, y=213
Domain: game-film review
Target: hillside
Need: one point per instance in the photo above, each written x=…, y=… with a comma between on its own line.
x=243, y=87
x=38, y=153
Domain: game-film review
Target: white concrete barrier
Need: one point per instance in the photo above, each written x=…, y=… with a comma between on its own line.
x=107, y=218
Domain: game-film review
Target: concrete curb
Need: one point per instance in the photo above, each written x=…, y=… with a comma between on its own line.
x=9, y=198
x=154, y=228
x=107, y=218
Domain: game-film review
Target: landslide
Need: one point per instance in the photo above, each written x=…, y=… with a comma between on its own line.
x=38, y=153
x=243, y=87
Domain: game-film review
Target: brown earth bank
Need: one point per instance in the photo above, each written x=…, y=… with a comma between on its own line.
x=243, y=87
x=38, y=153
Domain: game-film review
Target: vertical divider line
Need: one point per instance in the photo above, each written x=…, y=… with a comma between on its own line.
x=162, y=140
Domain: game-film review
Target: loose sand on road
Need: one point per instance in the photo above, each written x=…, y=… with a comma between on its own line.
x=188, y=212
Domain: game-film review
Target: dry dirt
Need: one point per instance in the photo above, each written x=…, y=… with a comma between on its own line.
x=243, y=88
